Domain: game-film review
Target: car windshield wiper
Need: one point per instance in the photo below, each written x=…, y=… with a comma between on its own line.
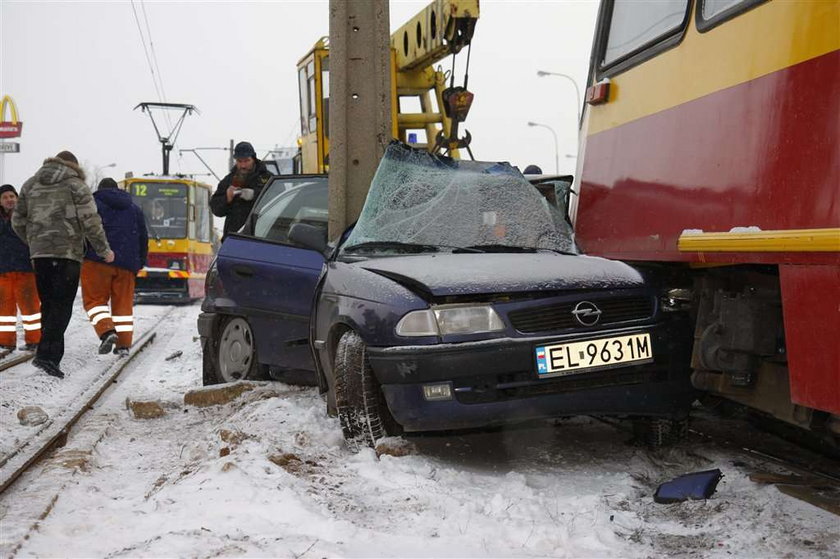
x=501, y=248
x=390, y=245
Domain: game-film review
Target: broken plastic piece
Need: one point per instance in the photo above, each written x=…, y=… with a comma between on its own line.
x=697, y=485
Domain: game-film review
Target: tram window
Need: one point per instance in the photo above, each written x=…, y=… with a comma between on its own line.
x=710, y=13
x=165, y=207
x=202, y=208
x=632, y=27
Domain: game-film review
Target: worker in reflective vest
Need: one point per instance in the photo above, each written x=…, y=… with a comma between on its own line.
x=104, y=283
x=17, y=281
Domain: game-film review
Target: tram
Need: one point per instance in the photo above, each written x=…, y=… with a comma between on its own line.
x=181, y=237
x=709, y=152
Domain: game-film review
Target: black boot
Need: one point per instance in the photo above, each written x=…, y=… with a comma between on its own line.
x=48, y=367
x=109, y=338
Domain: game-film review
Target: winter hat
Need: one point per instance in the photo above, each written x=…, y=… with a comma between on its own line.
x=532, y=170
x=244, y=149
x=8, y=188
x=107, y=182
x=67, y=156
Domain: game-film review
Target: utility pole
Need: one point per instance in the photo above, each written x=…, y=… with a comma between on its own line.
x=360, y=104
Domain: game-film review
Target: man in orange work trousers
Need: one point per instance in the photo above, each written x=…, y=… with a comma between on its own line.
x=126, y=231
x=17, y=282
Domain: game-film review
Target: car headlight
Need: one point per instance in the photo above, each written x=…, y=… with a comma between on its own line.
x=455, y=319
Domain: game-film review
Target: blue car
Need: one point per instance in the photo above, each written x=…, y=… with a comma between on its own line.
x=458, y=300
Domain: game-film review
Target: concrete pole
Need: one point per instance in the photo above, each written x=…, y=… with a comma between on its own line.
x=360, y=104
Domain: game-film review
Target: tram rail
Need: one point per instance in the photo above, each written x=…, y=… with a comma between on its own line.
x=9, y=362
x=54, y=431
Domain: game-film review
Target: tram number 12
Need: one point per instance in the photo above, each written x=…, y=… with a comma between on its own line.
x=140, y=189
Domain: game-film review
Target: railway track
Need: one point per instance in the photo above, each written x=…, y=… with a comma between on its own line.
x=54, y=431
x=793, y=469
x=9, y=362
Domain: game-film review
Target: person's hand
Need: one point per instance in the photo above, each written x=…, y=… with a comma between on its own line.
x=231, y=193
x=247, y=194
x=109, y=257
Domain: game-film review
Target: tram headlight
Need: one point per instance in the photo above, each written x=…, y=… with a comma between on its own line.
x=177, y=263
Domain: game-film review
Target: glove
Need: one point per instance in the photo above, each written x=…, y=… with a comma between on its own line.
x=246, y=193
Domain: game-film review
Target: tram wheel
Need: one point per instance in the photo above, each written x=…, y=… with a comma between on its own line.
x=231, y=355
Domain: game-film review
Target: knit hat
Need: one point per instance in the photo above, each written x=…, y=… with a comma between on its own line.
x=107, y=182
x=244, y=149
x=8, y=188
x=67, y=156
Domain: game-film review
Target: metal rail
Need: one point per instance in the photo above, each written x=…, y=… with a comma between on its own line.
x=14, y=464
x=10, y=362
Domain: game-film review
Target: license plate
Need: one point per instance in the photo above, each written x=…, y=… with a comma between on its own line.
x=575, y=357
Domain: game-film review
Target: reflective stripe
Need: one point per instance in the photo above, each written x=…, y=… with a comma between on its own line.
x=7, y=328
x=36, y=326
x=31, y=317
x=100, y=308
x=95, y=320
x=124, y=328
x=116, y=318
x=8, y=319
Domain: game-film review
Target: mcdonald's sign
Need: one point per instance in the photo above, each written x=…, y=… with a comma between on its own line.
x=9, y=128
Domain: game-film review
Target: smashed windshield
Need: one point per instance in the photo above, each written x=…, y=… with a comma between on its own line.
x=427, y=201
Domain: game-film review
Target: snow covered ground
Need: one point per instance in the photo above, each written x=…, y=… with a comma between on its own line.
x=270, y=476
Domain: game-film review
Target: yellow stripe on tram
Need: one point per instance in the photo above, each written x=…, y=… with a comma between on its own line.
x=791, y=240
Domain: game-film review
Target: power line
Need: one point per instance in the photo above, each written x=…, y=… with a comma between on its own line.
x=146, y=51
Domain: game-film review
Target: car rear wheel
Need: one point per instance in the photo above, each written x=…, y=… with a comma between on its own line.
x=361, y=406
x=232, y=354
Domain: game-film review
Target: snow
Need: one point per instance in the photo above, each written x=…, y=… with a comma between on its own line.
x=172, y=487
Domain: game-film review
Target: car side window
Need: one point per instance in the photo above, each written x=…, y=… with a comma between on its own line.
x=304, y=205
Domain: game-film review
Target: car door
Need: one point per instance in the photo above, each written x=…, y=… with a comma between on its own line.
x=270, y=280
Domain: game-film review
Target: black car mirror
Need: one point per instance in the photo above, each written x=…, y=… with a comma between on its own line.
x=309, y=236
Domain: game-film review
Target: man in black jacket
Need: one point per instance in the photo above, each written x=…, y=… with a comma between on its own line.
x=236, y=193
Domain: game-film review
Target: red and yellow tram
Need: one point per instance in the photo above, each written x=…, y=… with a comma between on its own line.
x=181, y=237
x=709, y=148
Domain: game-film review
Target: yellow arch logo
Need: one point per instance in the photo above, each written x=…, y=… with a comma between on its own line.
x=9, y=128
x=10, y=103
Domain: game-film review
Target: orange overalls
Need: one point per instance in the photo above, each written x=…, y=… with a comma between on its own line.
x=101, y=283
x=18, y=291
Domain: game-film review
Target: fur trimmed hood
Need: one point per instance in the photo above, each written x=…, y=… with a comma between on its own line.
x=56, y=170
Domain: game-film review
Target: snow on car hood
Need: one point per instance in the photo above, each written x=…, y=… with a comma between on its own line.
x=474, y=274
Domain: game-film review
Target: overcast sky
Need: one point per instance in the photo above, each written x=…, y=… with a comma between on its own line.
x=77, y=69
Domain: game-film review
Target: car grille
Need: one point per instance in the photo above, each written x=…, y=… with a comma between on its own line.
x=559, y=316
x=481, y=393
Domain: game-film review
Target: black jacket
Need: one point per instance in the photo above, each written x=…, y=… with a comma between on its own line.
x=237, y=211
x=14, y=254
x=125, y=228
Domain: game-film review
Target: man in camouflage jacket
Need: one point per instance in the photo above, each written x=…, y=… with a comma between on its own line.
x=54, y=215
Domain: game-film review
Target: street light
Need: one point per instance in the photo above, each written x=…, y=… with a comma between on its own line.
x=97, y=172
x=556, y=147
x=542, y=73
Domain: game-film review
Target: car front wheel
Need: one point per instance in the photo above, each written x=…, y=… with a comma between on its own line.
x=231, y=355
x=361, y=406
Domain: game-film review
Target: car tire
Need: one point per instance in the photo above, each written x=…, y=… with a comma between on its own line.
x=231, y=354
x=658, y=432
x=361, y=406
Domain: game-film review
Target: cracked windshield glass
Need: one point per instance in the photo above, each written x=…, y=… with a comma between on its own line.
x=422, y=202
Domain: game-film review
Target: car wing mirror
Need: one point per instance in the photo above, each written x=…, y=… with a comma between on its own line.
x=309, y=236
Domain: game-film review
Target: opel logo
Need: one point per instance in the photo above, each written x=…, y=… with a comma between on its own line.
x=587, y=313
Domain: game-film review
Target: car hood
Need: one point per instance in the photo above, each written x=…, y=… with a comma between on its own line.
x=473, y=274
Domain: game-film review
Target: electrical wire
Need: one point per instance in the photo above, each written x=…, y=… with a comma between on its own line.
x=146, y=52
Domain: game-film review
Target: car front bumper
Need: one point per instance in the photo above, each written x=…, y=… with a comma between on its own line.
x=495, y=382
